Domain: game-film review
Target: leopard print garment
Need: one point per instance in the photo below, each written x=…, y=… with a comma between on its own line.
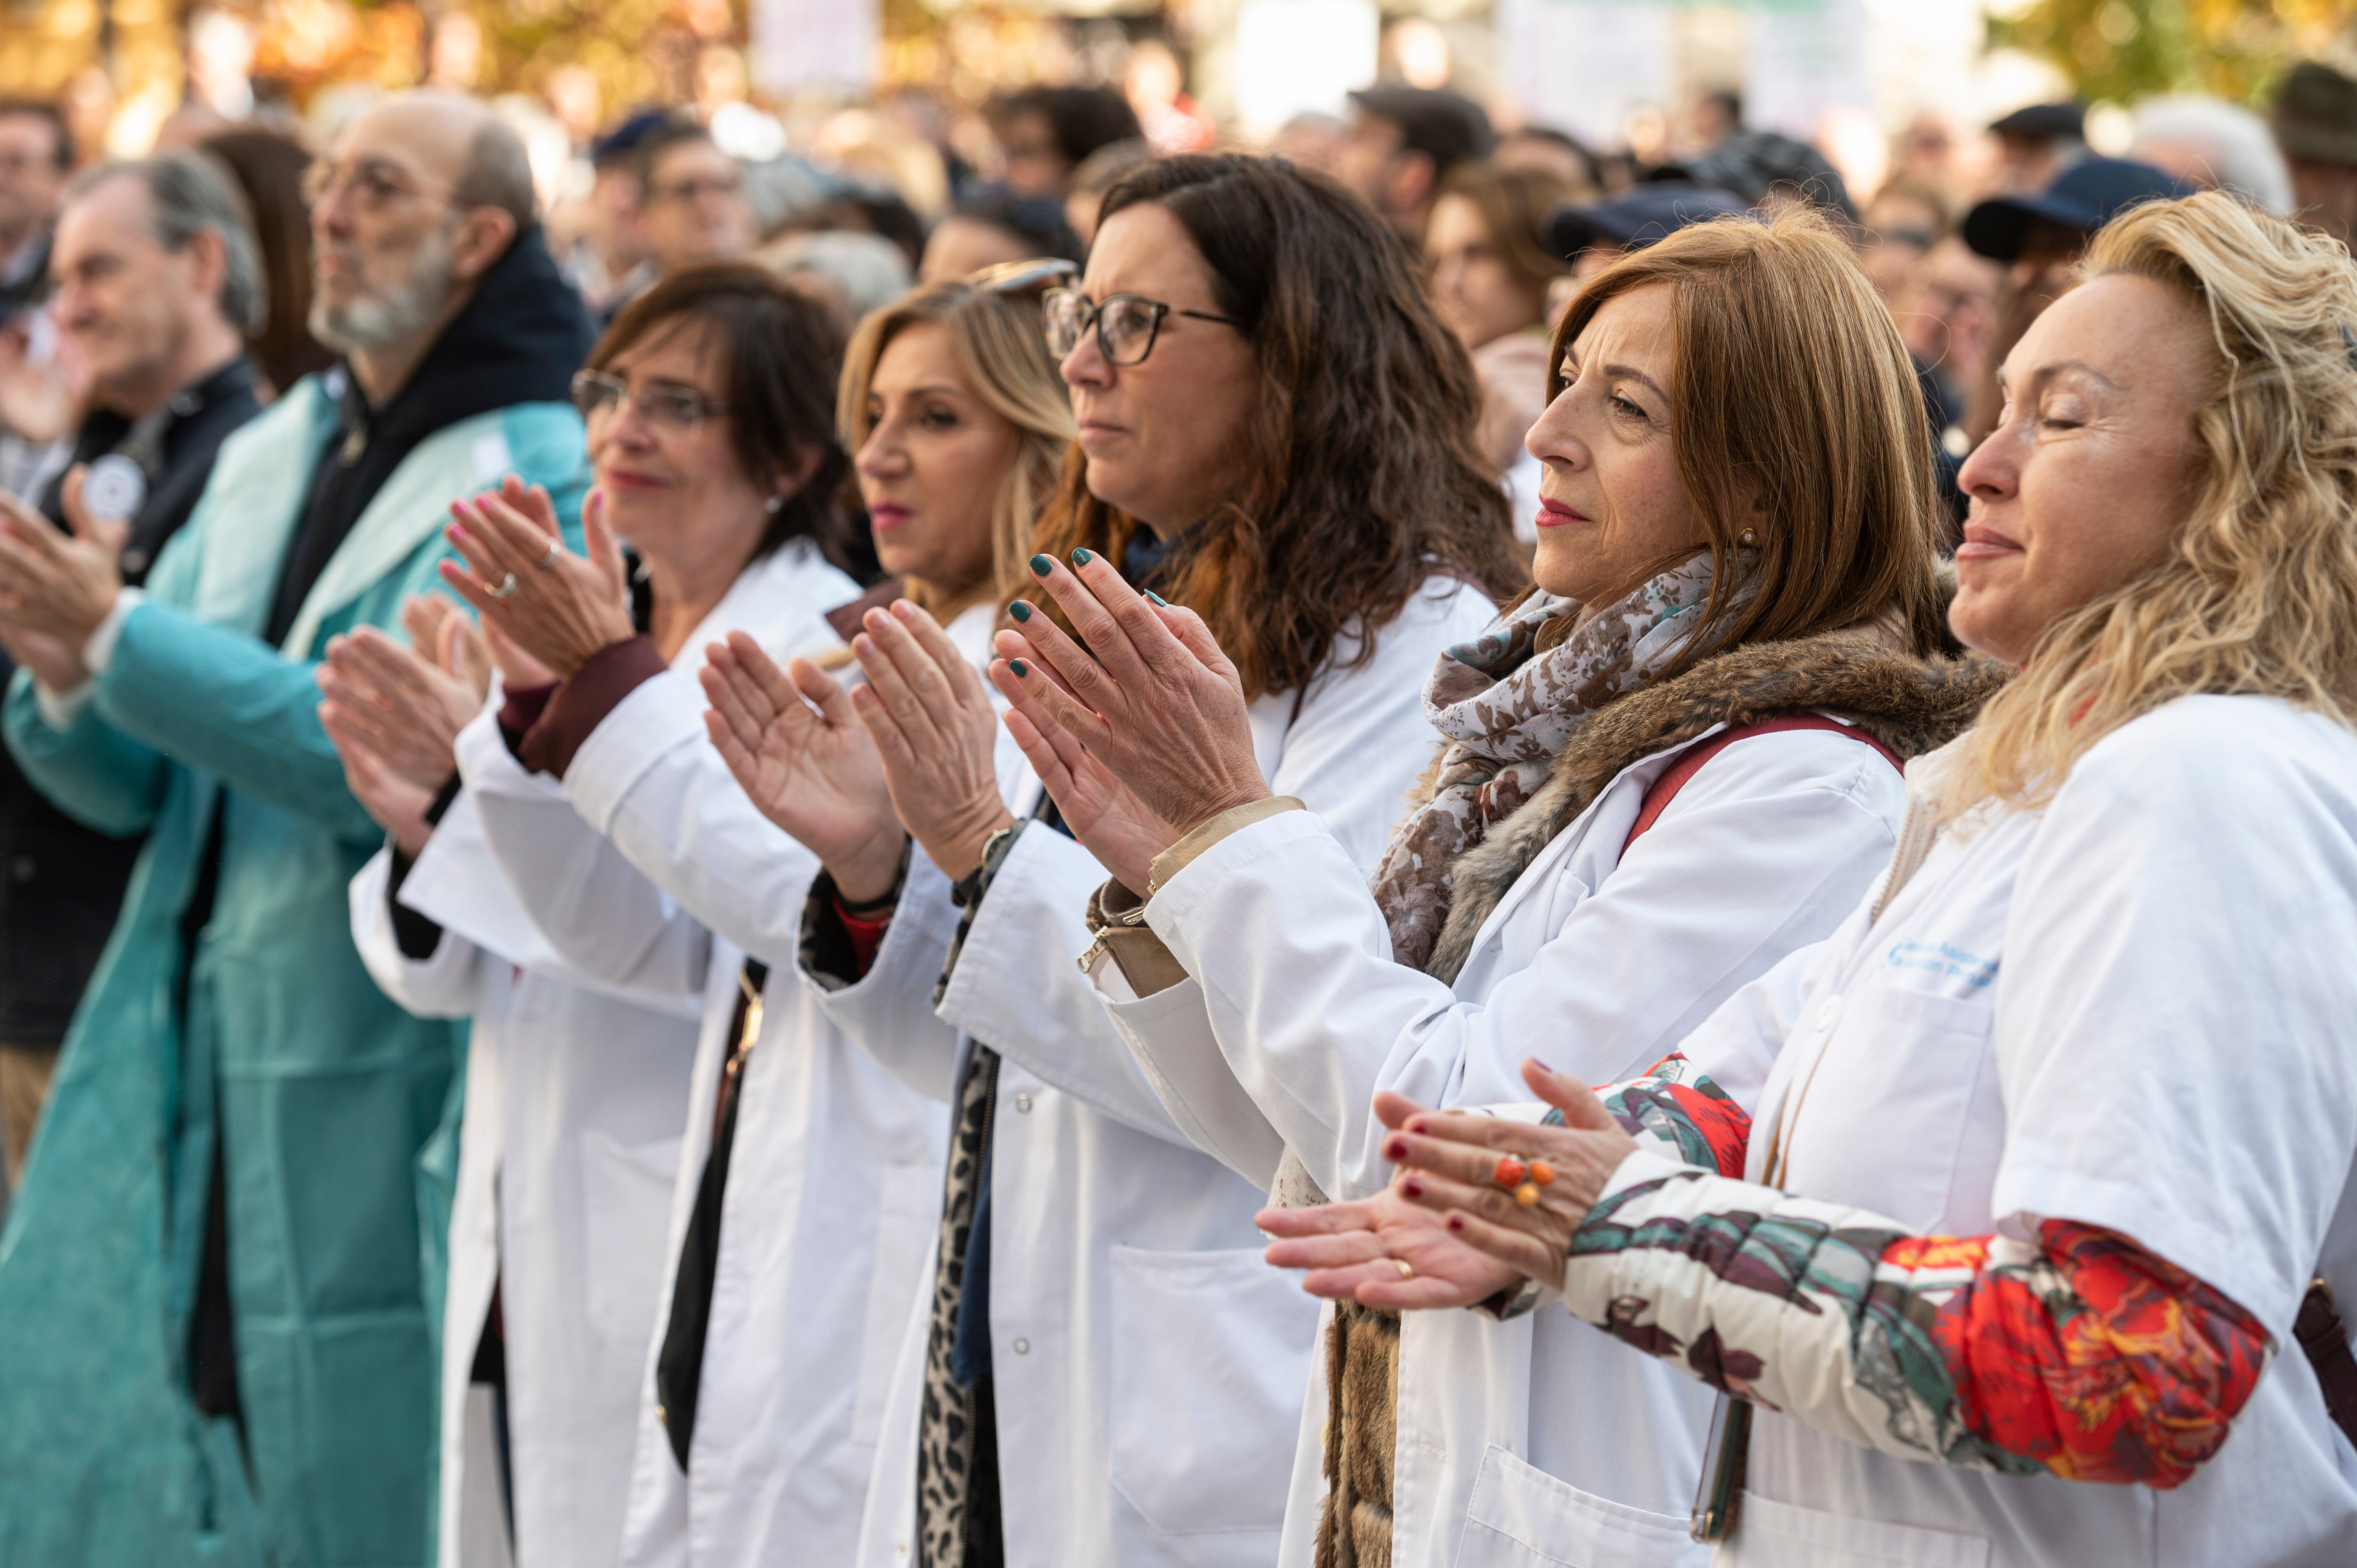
x=945, y=1434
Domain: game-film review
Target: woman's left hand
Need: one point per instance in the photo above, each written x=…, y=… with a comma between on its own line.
x=1451, y=1165
x=935, y=729
x=1384, y=1251
x=1150, y=696
x=561, y=608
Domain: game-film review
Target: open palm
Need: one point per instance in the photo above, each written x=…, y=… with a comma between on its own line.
x=800, y=752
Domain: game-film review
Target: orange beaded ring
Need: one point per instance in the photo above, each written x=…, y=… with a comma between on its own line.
x=1522, y=1181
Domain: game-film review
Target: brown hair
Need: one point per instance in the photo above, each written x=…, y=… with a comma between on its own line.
x=268, y=168
x=1795, y=414
x=1361, y=478
x=1002, y=350
x=1515, y=204
x=779, y=353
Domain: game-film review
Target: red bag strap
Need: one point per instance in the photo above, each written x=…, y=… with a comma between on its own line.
x=1663, y=789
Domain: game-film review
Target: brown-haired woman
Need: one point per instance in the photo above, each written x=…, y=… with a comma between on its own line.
x=1273, y=426
x=1641, y=804
x=618, y=992
x=1486, y=246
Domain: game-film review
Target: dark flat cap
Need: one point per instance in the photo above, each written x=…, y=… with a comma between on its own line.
x=2085, y=197
x=2050, y=122
x=1446, y=127
x=1644, y=214
x=2316, y=114
x=1754, y=163
x=623, y=140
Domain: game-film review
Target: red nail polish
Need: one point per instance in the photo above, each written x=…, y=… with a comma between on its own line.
x=1417, y=1125
x=1413, y=1187
x=1394, y=1150
x=1456, y=1222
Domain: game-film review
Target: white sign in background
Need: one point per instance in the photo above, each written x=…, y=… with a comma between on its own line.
x=1582, y=66
x=814, y=46
x=1295, y=57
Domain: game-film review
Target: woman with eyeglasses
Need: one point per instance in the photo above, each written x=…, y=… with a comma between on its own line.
x=612, y=1027
x=1273, y=428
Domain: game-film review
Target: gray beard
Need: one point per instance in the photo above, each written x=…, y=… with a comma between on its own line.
x=380, y=321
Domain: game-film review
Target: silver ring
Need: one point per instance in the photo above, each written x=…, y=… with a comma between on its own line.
x=548, y=561
x=507, y=587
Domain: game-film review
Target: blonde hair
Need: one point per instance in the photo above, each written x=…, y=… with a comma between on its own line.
x=1002, y=351
x=2259, y=593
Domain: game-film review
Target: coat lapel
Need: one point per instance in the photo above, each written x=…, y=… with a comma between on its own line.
x=250, y=507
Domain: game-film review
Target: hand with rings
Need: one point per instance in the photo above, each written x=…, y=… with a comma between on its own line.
x=1384, y=1251
x=559, y=608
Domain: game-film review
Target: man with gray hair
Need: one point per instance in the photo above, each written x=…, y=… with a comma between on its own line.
x=223, y=1264
x=157, y=282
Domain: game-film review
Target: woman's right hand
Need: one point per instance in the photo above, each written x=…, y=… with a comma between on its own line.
x=793, y=742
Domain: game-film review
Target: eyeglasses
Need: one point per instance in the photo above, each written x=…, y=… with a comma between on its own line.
x=1022, y=277
x=692, y=189
x=1127, y=324
x=675, y=410
x=376, y=183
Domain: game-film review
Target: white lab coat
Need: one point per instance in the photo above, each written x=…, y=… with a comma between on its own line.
x=648, y=865
x=2129, y=1009
x=1147, y=1363
x=575, y=1095
x=1536, y=1440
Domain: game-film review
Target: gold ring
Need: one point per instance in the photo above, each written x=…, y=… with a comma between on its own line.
x=1406, y=1269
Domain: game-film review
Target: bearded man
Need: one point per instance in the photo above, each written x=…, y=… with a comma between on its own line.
x=214, y=1280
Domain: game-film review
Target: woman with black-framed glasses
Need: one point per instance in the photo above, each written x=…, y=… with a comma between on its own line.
x=614, y=1023
x=1271, y=428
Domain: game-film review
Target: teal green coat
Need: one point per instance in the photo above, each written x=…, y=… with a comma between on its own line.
x=327, y=1092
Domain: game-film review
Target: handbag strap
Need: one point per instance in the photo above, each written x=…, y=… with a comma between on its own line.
x=2325, y=1338
x=1663, y=789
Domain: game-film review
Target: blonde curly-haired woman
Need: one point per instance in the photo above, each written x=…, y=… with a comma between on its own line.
x=2061, y=1125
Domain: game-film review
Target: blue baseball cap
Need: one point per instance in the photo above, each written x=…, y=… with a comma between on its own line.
x=1637, y=217
x=2085, y=197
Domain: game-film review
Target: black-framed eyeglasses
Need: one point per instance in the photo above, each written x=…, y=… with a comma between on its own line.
x=1127, y=324
x=678, y=409
x=1022, y=277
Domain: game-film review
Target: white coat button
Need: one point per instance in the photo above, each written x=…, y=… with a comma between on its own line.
x=1023, y=1347
x=1828, y=1013
x=1023, y=1104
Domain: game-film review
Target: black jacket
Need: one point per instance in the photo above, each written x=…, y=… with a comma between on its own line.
x=60, y=883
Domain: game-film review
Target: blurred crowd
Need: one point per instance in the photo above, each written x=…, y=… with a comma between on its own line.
x=549, y=742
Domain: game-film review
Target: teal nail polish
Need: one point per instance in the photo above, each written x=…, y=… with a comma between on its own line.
x=1082, y=557
x=1041, y=565
x=1019, y=610
x=1019, y=668
x=1157, y=598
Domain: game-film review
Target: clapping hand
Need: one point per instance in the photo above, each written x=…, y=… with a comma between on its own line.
x=793, y=742
x=559, y=608
x=1141, y=735
x=394, y=714
x=58, y=586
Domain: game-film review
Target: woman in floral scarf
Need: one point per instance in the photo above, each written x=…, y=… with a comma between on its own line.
x=1672, y=764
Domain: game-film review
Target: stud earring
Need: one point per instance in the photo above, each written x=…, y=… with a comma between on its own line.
x=773, y=503
x=1748, y=538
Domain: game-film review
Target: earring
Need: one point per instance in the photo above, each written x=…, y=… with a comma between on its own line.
x=1748, y=539
x=772, y=504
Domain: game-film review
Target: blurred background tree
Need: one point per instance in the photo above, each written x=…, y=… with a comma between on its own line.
x=2122, y=50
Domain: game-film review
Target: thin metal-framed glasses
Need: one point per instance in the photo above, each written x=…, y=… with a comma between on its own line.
x=1127, y=324
x=1022, y=277
x=678, y=409
x=374, y=181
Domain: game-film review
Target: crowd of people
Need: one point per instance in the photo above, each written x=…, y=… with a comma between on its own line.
x=1424, y=850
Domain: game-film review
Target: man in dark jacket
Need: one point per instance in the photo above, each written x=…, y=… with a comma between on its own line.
x=157, y=282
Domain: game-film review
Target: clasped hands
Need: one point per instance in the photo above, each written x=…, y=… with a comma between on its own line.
x=1447, y=1232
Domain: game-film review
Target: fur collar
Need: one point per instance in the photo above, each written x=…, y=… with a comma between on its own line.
x=1910, y=704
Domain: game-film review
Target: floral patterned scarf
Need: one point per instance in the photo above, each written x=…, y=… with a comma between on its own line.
x=1508, y=703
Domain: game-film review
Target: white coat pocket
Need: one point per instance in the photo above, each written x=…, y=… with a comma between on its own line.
x=626, y=1209
x=1210, y=1354
x=1778, y=1535
x=1521, y=1517
x=907, y=1215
